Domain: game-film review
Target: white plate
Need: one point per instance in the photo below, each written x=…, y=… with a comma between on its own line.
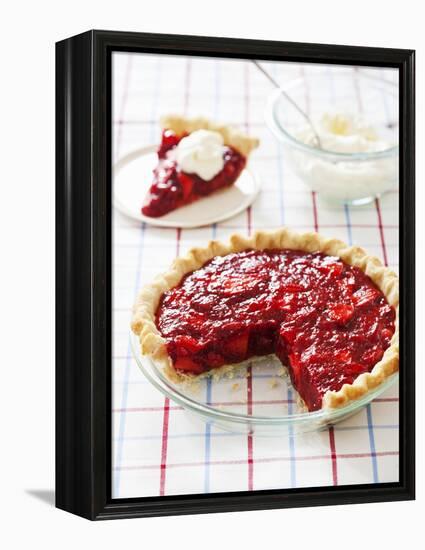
x=133, y=177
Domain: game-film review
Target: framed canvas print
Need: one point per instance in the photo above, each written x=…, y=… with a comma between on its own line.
x=235, y=274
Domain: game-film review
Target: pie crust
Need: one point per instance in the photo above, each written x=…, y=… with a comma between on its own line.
x=231, y=136
x=154, y=345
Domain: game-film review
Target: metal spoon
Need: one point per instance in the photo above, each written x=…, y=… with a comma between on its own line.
x=292, y=102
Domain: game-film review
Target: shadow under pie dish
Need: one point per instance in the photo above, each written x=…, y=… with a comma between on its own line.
x=329, y=312
x=196, y=157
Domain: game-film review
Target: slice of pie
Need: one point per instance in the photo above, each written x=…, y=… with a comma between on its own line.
x=328, y=311
x=195, y=158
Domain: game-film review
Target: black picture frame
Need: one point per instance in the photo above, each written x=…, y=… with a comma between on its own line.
x=83, y=273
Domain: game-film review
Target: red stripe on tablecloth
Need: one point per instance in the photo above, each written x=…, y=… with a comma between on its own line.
x=381, y=232
x=315, y=215
x=164, y=446
x=333, y=456
x=263, y=460
x=331, y=430
x=166, y=419
x=249, y=220
x=249, y=397
x=386, y=400
x=250, y=442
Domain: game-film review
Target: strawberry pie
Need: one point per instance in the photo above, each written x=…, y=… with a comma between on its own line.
x=326, y=310
x=195, y=158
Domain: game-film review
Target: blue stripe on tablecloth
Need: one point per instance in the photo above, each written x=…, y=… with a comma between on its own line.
x=128, y=363
x=372, y=443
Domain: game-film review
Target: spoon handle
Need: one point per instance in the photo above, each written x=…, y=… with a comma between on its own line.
x=291, y=101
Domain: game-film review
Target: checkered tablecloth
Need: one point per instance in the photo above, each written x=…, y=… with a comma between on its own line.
x=158, y=448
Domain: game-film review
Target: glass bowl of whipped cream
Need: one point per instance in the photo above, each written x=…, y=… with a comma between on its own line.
x=355, y=116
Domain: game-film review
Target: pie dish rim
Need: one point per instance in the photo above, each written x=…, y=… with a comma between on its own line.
x=188, y=396
x=154, y=345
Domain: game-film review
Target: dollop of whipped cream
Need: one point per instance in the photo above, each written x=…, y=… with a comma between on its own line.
x=344, y=133
x=201, y=153
x=343, y=180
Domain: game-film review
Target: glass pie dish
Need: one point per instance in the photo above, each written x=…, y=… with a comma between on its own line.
x=335, y=172
x=258, y=398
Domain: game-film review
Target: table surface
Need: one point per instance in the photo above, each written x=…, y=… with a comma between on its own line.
x=158, y=449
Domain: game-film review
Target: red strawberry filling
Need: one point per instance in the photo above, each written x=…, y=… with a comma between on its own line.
x=171, y=188
x=324, y=319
